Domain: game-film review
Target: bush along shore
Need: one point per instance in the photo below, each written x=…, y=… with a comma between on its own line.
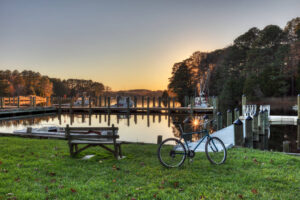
x=43, y=169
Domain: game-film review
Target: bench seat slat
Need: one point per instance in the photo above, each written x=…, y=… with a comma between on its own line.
x=94, y=142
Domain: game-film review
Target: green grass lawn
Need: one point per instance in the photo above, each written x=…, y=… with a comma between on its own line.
x=42, y=169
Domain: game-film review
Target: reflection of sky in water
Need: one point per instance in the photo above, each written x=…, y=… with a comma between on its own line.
x=137, y=128
x=145, y=128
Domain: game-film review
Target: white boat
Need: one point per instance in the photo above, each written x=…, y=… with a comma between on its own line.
x=123, y=103
x=78, y=102
x=201, y=102
x=55, y=130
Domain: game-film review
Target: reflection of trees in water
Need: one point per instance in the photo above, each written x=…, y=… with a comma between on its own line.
x=24, y=122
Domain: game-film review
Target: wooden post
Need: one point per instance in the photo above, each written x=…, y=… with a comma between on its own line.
x=244, y=102
x=135, y=101
x=2, y=102
x=186, y=101
x=298, y=104
x=153, y=102
x=9, y=101
x=34, y=101
x=219, y=121
x=128, y=106
x=229, y=117
x=31, y=103
x=286, y=146
x=59, y=105
x=173, y=101
x=159, y=139
x=14, y=100
x=148, y=103
x=71, y=105
x=143, y=98
x=169, y=108
x=159, y=102
x=118, y=101
x=105, y=104
x=100, y=101
x=108, y=105
x=238, y=133
x=18, y=101
x=255, y=127
x=236, y=113
x=261, y=122
x=249, y=133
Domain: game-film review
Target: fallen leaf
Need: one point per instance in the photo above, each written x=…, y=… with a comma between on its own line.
x=255, y=161
x=107, y=196
x=176, y=184
x=254, y=191
x=155, y=195
x=73, y=190
x=114, y=180
x=17, y=179
x=0, y=162
x=240, y=196
x=52, y=173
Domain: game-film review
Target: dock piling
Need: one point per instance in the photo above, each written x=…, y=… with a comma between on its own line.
x=286, y=146
x=255, y=127
x=148, y=103
x=108, y=105
x=153, y=102
x=238, y=133
x=159, y=102
x=229, y=117
x=236, y=113
x=219, y=121
x=249, y=133
x=135, y=101
x=159, y=139
x=244, y=102
x=18, y=102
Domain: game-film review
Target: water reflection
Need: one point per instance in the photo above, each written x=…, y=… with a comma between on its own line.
x=141, y=128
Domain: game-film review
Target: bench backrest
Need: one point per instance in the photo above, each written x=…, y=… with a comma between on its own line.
x=91, y=133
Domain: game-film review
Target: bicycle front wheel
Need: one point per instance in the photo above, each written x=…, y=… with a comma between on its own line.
x=215, y=151
x=171, y=153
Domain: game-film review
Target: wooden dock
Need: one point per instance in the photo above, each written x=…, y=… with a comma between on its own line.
x=26, y=111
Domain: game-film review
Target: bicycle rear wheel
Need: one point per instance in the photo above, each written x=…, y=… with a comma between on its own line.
x=215, y=151
x=171, y=153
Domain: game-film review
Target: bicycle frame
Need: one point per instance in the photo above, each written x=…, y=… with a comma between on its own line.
x=199, y=142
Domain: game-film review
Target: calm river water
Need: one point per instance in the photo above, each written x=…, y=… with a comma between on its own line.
x=142, y=128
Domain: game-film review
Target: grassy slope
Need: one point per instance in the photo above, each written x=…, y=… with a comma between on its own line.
x=41, y=169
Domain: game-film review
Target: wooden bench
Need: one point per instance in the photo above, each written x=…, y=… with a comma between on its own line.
x=93, y=136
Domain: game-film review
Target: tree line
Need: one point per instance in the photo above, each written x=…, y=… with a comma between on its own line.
x=259, y=63
x=27, y=82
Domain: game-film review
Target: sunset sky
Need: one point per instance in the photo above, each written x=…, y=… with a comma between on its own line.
x=129, y=44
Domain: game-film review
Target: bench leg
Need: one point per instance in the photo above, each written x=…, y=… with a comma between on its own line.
x=71, y=150
x=120, y=152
